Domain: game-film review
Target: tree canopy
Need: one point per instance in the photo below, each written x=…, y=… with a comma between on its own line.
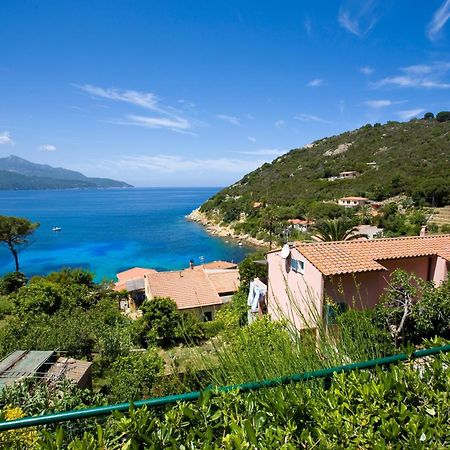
x=15, y=232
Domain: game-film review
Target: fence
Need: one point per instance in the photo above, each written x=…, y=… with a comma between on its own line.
x=325, y=374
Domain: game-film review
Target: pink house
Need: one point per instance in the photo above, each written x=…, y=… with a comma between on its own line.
x=353, y=273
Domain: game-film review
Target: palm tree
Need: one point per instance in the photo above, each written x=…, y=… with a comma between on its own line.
x=337, y=230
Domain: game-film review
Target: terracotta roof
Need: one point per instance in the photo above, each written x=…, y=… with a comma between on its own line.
x=188, y=288
x=225, y=281
x=217, y=265
x=340, y=257
x=131, y=274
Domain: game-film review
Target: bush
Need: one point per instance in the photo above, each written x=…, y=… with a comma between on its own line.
x=396, y=407
x=12, y=282
x=133, y=376
x=162, y=319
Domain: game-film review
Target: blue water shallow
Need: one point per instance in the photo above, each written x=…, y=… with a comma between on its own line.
x=111, y=230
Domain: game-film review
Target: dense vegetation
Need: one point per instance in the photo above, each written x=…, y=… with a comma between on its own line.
x=411, y=159
x=18, y=173
x=394, y=407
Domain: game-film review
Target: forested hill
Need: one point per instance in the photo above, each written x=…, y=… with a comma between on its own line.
x=411, y=158
x=18, y=173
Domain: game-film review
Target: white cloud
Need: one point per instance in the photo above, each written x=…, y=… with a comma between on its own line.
x=47, y=148
x=251, y=139
x=358, y=22
x=230, y=119
x=410, y=113
x=177, y=124
x=279, y=123
x=378, y=103
x=420, y=75
x=366, y=70
x=174, y=163
x=172, y=121
x=5, y=138
x=309, y=118
x=143, y=99
x=316, y=82
x=439, y=20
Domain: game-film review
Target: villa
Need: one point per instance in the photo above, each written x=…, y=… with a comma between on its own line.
x=350, y=273
x=352, y=202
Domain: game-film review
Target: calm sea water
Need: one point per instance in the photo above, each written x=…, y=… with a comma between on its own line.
x=107, y=231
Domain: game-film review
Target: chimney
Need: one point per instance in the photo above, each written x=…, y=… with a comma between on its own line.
x=423, y=231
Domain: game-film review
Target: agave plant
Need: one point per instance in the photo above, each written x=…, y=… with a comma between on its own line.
x=337, y=230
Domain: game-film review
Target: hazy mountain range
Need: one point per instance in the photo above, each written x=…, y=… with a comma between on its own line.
x=18, y=173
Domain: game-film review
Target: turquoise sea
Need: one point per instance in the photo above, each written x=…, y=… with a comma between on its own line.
x=110, y=230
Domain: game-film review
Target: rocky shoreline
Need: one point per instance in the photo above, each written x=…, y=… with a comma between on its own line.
x=224, y=231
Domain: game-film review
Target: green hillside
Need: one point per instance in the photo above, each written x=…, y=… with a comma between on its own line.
x=411, y=158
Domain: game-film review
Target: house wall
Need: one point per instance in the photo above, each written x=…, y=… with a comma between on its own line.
x=362, y=290
x=294, y=296
x=440, y=270
x=199, y=312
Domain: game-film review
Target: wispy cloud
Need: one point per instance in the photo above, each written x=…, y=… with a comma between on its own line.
x=420, y=76
x=279, y=123
x=366, y=70
x=163, y=163
x=410, y=113
x=177, y=124
x=47, y=148
x=5, y=138
x=317, y=82
x=138, y=98
x=168, y=118
x=309, y=118
x=251, y=139
x=230, y=119
x=439, y=20
x=359, y=21
x=378, y=103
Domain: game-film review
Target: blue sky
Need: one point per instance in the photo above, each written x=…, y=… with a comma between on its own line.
x=198, y=93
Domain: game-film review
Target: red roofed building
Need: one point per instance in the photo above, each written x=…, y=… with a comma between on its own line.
x=350, y=272
x=200, y=289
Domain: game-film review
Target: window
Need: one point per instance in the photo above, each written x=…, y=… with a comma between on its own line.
x=207, y=316
x=298, y=266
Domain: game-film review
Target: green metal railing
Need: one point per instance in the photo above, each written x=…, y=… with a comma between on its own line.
x=191, y=396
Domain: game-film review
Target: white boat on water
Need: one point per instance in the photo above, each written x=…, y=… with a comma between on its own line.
x=56, y=229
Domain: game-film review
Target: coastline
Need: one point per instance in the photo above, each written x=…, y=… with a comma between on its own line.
x=224, y=231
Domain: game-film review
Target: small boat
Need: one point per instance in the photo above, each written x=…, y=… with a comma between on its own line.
x=56, y=229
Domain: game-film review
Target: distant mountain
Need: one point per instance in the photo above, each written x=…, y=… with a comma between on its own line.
x=18, y=173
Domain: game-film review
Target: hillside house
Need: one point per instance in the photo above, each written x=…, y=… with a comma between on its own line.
x=351, y=273
x=348, y=174
x=201, y=290
x=300, y=225
x=352, y=202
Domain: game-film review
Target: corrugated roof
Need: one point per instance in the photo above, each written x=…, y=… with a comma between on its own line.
x=188, y=288
x=340, y=257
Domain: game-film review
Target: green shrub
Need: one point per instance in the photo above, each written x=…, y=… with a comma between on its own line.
x=12, y=282
x=396, y=407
